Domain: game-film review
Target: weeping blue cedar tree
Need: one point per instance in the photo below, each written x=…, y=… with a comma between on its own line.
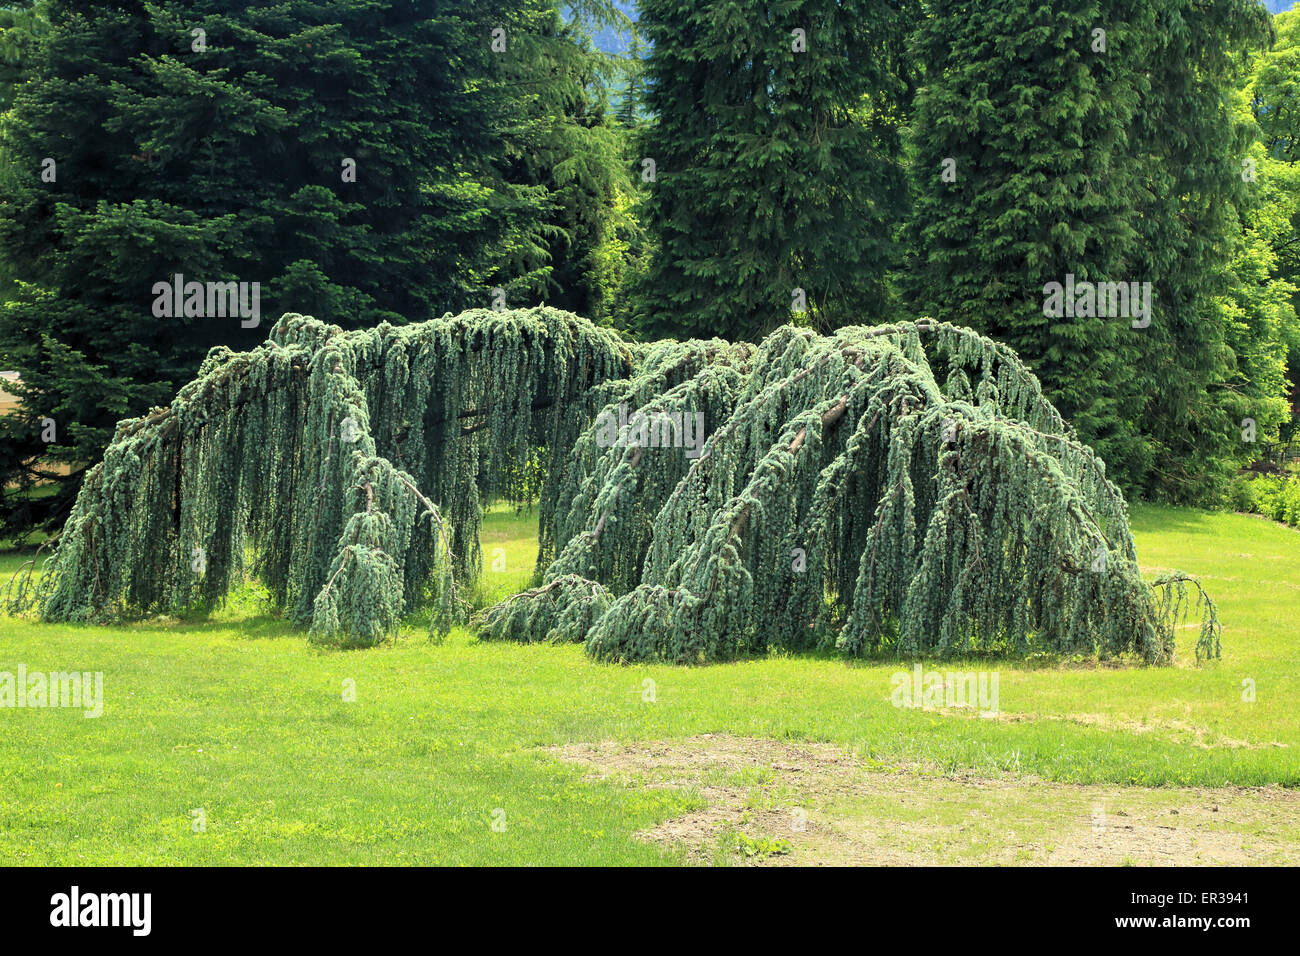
x=346, y=469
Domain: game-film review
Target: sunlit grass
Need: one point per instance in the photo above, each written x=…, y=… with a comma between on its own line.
x=240, y=717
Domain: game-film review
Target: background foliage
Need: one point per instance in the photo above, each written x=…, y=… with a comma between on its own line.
x=777, y=169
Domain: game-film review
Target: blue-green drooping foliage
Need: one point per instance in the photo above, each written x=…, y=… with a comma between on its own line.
x=903, y=488
x=315, y=461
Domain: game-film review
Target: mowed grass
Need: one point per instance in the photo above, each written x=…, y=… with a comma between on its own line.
x=240, y=720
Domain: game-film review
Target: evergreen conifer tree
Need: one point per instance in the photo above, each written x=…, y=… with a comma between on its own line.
x=1023, y=177
x=777, y=178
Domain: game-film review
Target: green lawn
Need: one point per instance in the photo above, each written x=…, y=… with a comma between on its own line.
x=241, y=718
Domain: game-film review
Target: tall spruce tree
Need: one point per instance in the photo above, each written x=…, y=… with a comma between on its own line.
x=1022, y=177
x=1093, y=139
x=775, y=142
x=1190, y=143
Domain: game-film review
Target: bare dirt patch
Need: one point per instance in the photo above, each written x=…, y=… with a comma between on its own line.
x=776, y=803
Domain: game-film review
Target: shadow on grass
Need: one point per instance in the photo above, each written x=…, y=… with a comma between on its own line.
x=256, y=627
x=887, y=657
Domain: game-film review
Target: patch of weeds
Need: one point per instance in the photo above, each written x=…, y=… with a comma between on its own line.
x=761, y=847
x=752, y=777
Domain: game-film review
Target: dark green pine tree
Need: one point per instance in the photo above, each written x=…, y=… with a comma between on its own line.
x=215, y=139
x=1022, y=177
x=21, y=25
x=1190, y=145
x=775, y=144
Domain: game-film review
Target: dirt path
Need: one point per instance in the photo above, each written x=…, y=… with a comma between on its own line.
x=772, y=803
